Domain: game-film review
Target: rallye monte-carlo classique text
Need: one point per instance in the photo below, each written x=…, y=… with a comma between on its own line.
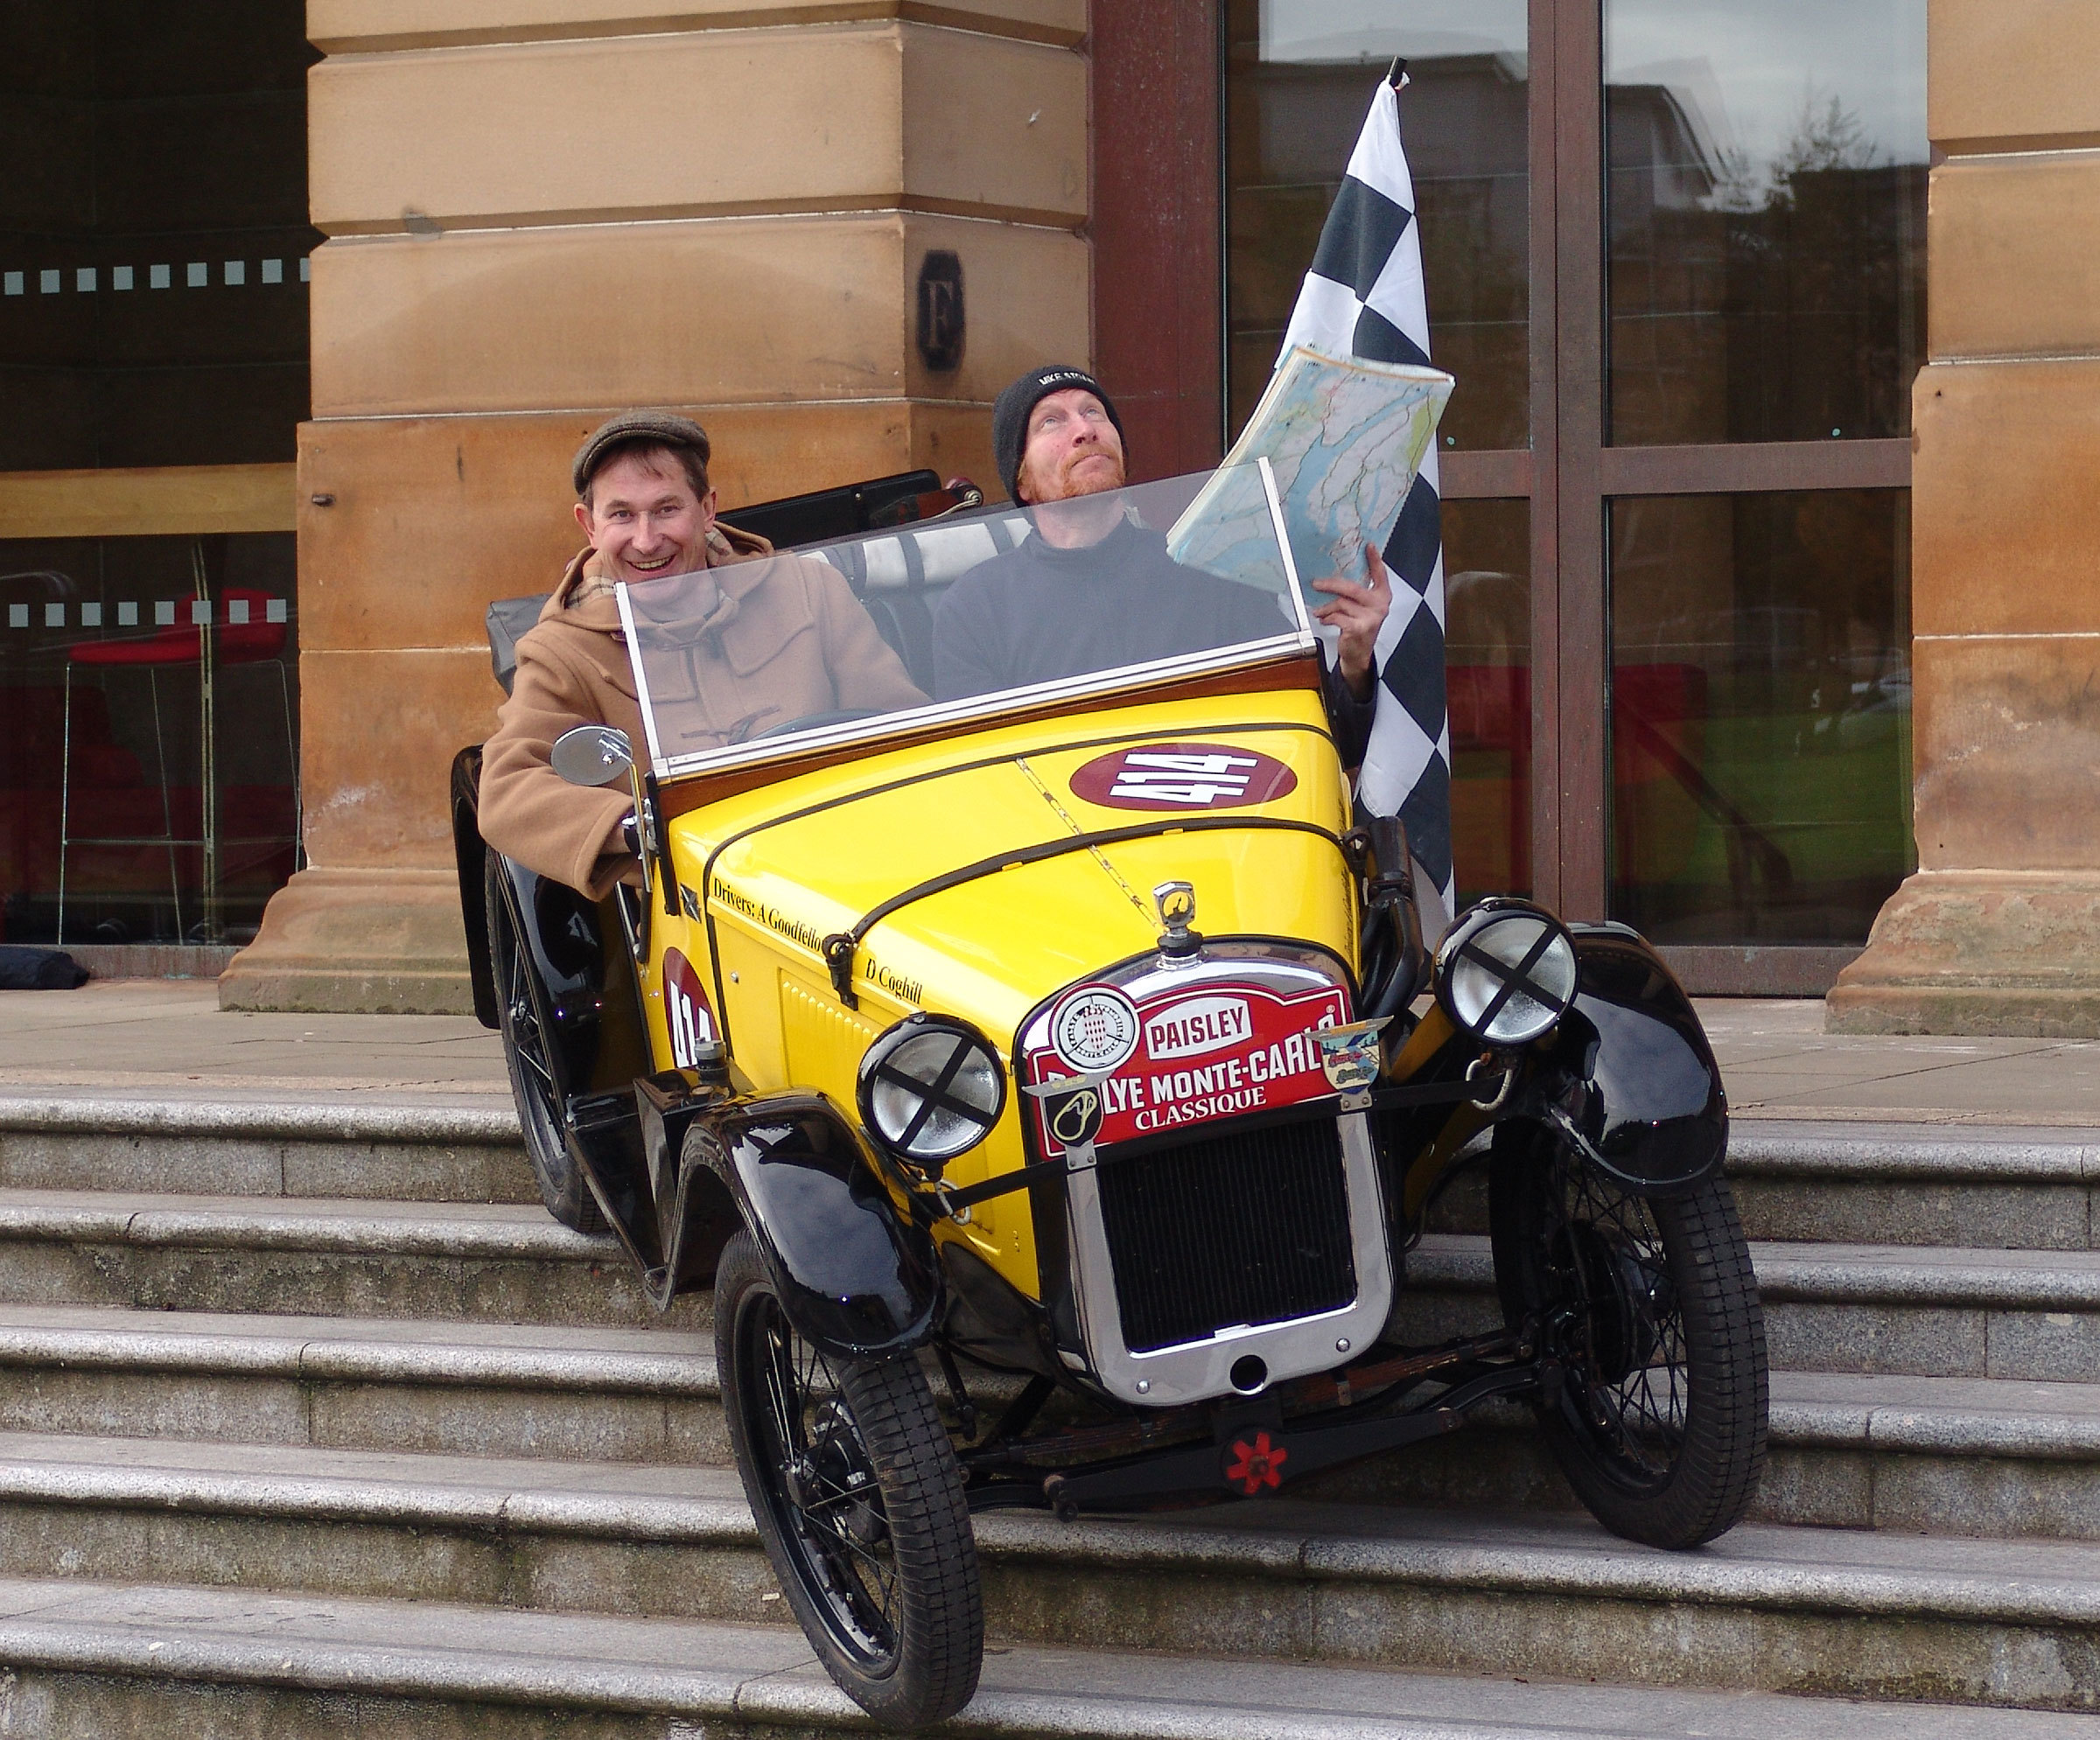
x=1259, y=1052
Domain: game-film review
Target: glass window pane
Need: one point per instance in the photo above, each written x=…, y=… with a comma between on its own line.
x=154, y=211
x=100, y=643
x=1299, y=76
x=1765, y=208
x=1488, y=651
x=1760, y=714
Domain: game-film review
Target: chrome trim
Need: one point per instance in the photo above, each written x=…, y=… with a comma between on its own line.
x=641, y=677
x=1199, y=1370
x=1282, y=541
x=989, y=709
x=1284, y=970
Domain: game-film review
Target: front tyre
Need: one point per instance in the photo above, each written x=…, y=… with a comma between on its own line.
x=858, y=1498
x=1649, y=1312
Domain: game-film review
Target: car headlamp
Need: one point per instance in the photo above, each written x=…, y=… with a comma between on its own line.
x=931, y=1088
x=1505, y=972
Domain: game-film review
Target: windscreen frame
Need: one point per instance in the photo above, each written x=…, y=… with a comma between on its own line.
x=1296, y=642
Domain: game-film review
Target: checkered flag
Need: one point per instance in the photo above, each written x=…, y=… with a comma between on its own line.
x=1364, y=297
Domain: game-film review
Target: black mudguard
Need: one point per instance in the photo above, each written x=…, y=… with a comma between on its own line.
x=856, y=1277
x=1628, y=1073
x=597, y=1042
x=468, y=850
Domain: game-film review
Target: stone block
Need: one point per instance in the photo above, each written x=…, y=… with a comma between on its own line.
x=1908, y=1211
x=52, y=1704
x=1995, y=1496
x=1816, y=1487
x=298, y=1283
x=2046, y=1347
x=452, y=1421
x=378, y=941
x=399, y=1172
x=1892, y=1339
x=2003, y=511
x=365, y=26
x=720, y=1579
x=838, y=118
x=2014, y=260
x=1980, y=952
x=233, y=1165
x=343, y=1558
x=2011, y=74
x=380, y=728
x=431, y=518
x=131, y=1404
x=701, y=313
x=2006, y=737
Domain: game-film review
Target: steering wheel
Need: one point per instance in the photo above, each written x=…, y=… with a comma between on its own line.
x=811, y=721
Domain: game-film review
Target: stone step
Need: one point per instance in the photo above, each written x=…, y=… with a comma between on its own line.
x=2030, y=1316
x=507, y=1263
x=1837, y=1612
x=2027, y=1316
x=1951, y=1456
x=507, y=1389
x=2004, y=1189
x=1881, y=1184
x=1942, y=1456
x=97, y=1659
x=402, y=1150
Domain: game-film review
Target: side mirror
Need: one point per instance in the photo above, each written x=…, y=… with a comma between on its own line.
x=593, y=755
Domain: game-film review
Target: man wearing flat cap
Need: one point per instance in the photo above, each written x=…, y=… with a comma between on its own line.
x=1080, y=596
x=778, y=640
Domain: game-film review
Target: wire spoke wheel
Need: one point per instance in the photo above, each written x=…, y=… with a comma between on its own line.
x=525, y=1052
x=853, y=1483
x=1647, y=1312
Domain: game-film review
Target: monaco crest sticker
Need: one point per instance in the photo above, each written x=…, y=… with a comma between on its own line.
x=1183, y=776
x=1094, y=1028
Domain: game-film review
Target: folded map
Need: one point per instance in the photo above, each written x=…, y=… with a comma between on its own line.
x=1344, y=438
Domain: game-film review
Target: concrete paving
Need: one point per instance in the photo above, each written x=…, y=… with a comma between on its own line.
x=169, y=1040
x=1779, y=1063
x=166, y=1037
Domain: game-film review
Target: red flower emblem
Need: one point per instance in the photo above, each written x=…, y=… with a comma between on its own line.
x=1256, y=1465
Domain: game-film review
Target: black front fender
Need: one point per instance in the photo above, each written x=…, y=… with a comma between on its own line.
x=468, y=850
x=855, y=1276
x=1628, y=1073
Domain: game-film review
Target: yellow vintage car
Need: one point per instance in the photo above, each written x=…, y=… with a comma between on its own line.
x=1050, y=1081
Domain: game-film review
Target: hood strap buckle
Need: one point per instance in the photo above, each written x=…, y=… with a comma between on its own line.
x=839, y=948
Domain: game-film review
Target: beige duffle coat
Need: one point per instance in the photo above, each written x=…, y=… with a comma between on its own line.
x=786, y=638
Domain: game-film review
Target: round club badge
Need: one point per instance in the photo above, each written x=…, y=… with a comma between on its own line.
x=1094, y=1028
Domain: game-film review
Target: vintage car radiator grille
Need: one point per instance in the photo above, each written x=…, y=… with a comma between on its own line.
x=1248, y=1229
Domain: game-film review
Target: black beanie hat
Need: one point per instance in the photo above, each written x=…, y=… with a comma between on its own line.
x=1010, y=413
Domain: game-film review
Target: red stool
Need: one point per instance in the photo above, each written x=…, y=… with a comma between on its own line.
x=242, y=635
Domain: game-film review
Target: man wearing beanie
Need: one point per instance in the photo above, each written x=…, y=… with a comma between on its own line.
x=780, y=639
x=1090, y=592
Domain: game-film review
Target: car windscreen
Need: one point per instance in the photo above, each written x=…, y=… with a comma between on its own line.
x=956, y=621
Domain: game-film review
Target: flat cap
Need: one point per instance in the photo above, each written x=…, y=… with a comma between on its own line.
x=637, y=428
